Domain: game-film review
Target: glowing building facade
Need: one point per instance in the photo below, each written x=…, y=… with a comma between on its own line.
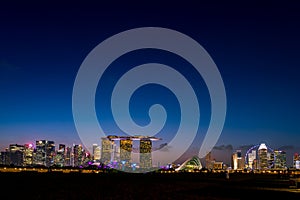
x=263, y=156
x=112, y=153
x=237, y=160
x=106, y=150
x=45, y=151
x=78, y=155
x=28, y=154
x=145, y=153
x=280, y=159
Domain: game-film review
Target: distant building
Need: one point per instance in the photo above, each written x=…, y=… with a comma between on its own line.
x=193, y=163
x=279, y=159
x=263, y=156
x=68, y=157
x=16, y=154
x=106, y=150
x=121, y=155
x=218, y=165
x=125, y=151
x=145, y=153
x=296, y=161
x=209, y=161
x=78, y=155
x=237, y=161
x=28, y=154
x=4, y=157
x=96, y=152
x=60, y=155
x=45, y=151
x=252, y=159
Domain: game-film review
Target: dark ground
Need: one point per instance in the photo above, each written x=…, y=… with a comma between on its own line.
x=144, y=186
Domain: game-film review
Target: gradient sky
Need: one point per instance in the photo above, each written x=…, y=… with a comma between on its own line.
x=255, y=47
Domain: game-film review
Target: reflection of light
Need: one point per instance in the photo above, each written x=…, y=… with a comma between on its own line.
x=123, y=162
x=30, y=145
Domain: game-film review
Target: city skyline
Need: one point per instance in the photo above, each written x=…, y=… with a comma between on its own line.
x=255, y=47
x=111, y=147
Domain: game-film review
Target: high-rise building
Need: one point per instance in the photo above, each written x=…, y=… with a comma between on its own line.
x=279, y=159
x=252, y=159
x=263, y=156
x=296, y=161
x=96, y=152
x=238, y=162
x=28, y=154
x=117, y=151
x=106, y=150
x=78, y=155
x=126, y=150
x=45, y=151
x=4, y=157
x=68, y=159
x=60, y=155
x=145, y=153
x=16, y=153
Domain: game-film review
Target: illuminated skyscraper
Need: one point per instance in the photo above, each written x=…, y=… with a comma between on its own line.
x=16, y=153
x=96, y=152
x=252, y=159
x=263, y=156
x=145, y=153
x=78, y=155
x=45, y=151
x=106, y=150
x=60, y=155
x=68, y=157
x=279, y=159
x=28, y=154
x=125, y=150
x=238, y=162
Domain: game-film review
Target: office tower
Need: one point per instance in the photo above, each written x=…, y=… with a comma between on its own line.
x=60, y=155
x=45, y=151
x=263, y=156
x=96, y=152
x=238, y=162
x=68, y=157
x=40, y=156
x=28, y=154
x=279, y=159
x=145, y=153
x=252, y=159
x=50, y=153
x=4, y=157
x=271, y=159
x=16, y=153
x=78, y=155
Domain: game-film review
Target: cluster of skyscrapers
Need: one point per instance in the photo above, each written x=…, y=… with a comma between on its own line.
x=114, y=151
x=129, y=152
x=117, y=151
x=258, y=157
x=44, y=153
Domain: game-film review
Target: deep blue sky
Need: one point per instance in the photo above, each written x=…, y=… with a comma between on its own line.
x=255, y=47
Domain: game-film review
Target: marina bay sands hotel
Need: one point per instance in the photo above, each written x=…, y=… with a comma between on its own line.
x=121, y=154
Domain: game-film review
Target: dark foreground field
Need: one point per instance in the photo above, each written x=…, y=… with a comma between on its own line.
x=144, y=186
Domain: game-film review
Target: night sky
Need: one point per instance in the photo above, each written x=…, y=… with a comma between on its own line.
x=255, y=47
